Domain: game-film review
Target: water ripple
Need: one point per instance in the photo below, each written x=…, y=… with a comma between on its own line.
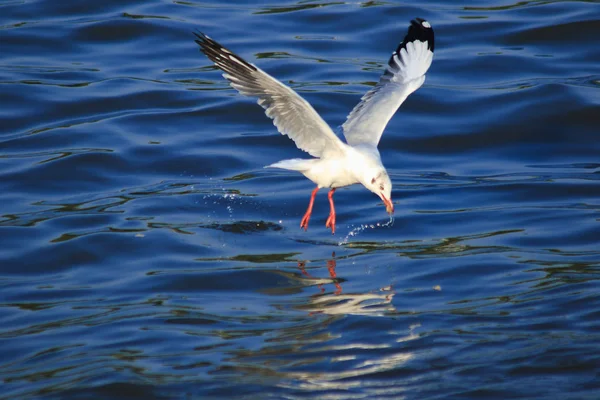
x=147, y=253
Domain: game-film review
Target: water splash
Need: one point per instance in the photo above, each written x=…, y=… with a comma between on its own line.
x=228, y=199
x=231, y=199
x=359, y=229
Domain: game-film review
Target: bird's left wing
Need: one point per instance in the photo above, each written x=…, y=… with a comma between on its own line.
x=405, y=74
x=292, y=115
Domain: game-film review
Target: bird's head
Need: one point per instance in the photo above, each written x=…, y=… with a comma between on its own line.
x=379, y=182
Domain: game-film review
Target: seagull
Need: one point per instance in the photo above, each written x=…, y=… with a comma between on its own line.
x=335, y=164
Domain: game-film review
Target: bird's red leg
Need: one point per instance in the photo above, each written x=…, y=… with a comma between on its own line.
x=306, y=218
x=331, y=264
x=331, y=220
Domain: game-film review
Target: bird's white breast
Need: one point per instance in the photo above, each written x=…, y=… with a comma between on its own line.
x=343, y=171
x=331, y=173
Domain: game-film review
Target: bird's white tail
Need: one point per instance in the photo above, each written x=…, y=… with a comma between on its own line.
x=295, y=164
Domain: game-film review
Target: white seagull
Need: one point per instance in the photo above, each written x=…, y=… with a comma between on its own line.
x=336, y=164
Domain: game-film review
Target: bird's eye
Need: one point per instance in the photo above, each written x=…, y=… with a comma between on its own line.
x=381, y=187
x=372, y=181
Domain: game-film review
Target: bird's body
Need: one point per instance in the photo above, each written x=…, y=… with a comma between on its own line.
x=325, y=173
x=335, y=163
x=335, y=172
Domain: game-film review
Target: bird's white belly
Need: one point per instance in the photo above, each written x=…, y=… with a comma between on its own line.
x=331, y=173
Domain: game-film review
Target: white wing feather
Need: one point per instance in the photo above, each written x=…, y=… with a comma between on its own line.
x=405, y=74
x=292, y=115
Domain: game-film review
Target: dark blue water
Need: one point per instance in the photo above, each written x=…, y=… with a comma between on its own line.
x=145, y=252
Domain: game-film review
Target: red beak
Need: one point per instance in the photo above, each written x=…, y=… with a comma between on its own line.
x=389, y=207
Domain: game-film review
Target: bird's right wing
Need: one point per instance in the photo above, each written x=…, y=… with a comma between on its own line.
x=405, y=74
x=292, y=115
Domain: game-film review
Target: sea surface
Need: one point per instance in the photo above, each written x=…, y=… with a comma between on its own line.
x=145, y=253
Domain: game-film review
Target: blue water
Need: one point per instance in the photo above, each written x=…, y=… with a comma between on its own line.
x=145, y=252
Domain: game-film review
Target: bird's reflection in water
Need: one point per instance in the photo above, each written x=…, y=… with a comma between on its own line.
x=324, y=357
x=375, y=303
x=313, y=352
x=331, y=264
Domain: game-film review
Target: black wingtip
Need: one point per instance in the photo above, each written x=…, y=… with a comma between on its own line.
x=421, y=30
x=204, y=41
x=223, y=58
x=199, y=35
x=201, y=40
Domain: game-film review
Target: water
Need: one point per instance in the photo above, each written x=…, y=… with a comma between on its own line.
x=146, y=253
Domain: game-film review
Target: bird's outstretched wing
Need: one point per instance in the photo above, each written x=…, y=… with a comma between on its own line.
x=405, y=74
x=292, y=115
